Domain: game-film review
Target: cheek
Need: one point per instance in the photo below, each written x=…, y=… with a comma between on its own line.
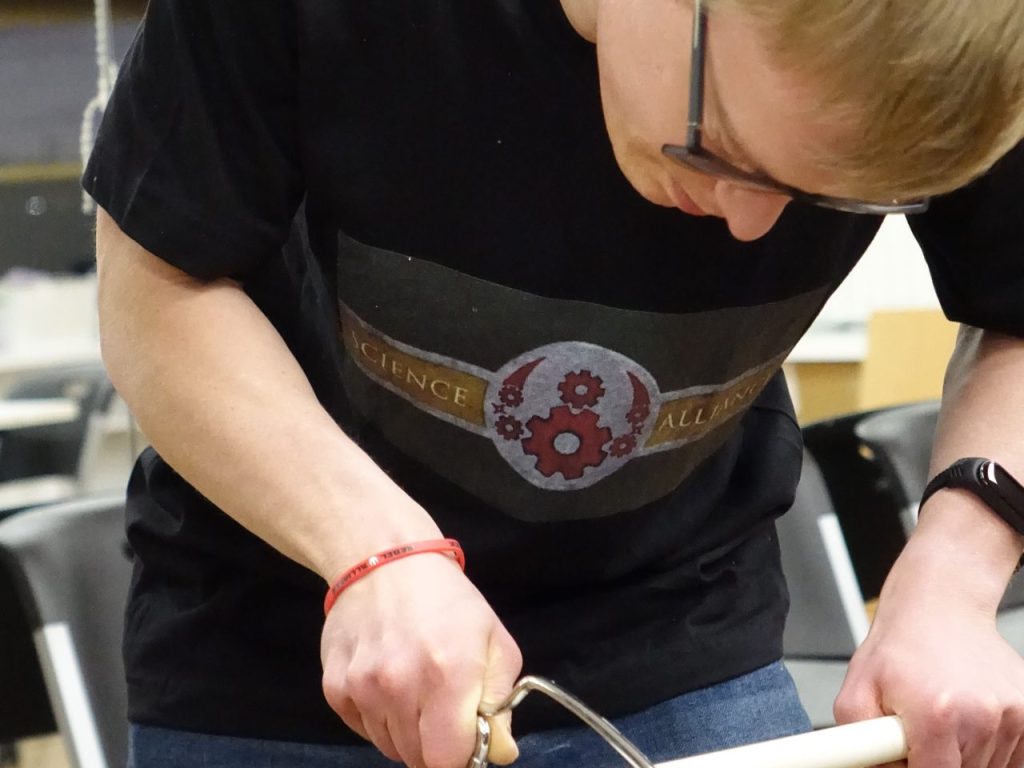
x=637, y=122
x=700, y=186
x=689, y=188
x=646, y=101
x=634, y=152
x=644, y=67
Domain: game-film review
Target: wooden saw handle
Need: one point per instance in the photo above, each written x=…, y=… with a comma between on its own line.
x=857, y=745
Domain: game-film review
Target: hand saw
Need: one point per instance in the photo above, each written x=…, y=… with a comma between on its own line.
x=857, y=745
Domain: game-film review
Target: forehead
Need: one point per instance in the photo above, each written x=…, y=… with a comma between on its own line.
x=774, y=114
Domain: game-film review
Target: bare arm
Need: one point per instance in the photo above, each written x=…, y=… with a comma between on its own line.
x=982, y=415
x=224, y=402
x=933, y=655
x=410, y=652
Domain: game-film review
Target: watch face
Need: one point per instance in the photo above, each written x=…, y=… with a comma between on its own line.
x=1001, y=492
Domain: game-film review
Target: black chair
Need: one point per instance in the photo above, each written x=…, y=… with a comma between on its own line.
x=69, y=567
x=27, y=712
x=899, y=440
x=53, y=449
x=862, y=496
x=38, y=464
x=827, y=619
x=57, y=462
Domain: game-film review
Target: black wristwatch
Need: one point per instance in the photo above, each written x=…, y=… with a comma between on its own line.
x=989, y=482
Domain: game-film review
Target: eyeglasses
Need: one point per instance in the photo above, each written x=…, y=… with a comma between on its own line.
x=695, y=157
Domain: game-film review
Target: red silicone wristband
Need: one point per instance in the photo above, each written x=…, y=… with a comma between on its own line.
x=449, y=547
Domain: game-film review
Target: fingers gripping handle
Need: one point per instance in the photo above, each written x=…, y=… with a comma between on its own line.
x=626, y=749
x=857, y=745
x=483, y=744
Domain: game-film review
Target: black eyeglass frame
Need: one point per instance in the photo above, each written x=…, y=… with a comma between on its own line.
x=693, y=156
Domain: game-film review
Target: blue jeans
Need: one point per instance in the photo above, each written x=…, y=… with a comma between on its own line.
x=753, y=707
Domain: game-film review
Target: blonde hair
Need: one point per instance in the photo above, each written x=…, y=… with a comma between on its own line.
x=932, y=90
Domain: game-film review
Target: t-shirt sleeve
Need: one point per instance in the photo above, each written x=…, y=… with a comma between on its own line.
x=973, y=240
x=197, y=155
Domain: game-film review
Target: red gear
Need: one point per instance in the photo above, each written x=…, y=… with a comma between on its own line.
x=638, y=414
x=561, y=421
x=511, y=395
x=622, y=446
x=592, y=386
x=509, y=427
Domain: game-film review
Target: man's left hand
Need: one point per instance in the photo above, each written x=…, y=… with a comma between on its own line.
x=935, y=658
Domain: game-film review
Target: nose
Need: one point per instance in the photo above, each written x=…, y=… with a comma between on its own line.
x=749, y=213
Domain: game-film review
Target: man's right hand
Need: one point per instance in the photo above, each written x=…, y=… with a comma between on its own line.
x=410, y=652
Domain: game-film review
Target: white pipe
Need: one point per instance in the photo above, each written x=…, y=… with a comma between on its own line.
x=857, y=745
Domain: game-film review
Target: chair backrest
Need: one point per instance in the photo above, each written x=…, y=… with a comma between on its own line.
x=111, y=445
x=827, y=619
x=70, y=566
x=861, y=496
x=900, y=441
x=54, y=449
x=27, y=712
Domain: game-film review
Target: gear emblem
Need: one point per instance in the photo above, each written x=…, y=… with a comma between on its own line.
x=638, y=414
x=511, y=396
x=570, y=414
x=622, y=446
x=566, y=443
x=509, y=427
x=581, y=389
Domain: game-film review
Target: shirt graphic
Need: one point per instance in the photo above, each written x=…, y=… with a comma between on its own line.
x=549, y=409
x=565, y=415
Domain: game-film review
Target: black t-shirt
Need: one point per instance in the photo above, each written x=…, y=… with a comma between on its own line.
x=580, y=386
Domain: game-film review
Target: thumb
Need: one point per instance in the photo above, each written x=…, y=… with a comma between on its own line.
x=504, y=664
x=861, y=699
x=858, y=699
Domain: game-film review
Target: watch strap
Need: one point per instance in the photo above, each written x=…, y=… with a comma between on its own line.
x=989, y=482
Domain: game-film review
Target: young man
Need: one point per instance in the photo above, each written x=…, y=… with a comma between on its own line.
x=374, y=274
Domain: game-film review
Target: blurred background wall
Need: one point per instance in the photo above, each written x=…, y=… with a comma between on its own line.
x=48, y=75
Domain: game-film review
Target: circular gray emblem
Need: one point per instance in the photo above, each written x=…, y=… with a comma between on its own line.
x=569, y=414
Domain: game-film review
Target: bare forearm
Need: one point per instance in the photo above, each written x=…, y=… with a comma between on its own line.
x=225, y=403
x=982, y=415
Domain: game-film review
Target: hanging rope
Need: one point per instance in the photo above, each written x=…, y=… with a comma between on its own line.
x=106, y=70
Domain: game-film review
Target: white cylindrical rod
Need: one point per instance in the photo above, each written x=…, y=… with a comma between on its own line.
x=857, y=745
